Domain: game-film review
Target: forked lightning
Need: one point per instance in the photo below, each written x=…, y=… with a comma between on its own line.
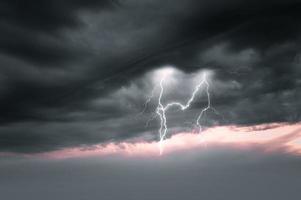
x=161, y=109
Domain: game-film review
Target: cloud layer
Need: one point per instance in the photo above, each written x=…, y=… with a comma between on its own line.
x=77, y=73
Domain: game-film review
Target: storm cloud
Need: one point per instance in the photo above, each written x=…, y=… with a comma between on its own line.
x=77, y=73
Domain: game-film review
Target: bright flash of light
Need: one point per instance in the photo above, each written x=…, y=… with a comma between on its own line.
x=162, y=109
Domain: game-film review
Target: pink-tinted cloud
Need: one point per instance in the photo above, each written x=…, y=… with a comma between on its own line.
x=267, y=138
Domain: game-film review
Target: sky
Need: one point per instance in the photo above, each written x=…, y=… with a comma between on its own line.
x=81, y=84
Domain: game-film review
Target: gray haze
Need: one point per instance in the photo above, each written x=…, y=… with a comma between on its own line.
x=211, y=174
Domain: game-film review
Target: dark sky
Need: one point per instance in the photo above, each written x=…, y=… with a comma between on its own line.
x=77, y=73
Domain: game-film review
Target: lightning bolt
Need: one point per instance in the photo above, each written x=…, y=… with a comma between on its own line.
x=161, y=109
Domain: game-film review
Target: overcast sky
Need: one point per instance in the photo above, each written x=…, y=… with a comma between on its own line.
x=76, y=74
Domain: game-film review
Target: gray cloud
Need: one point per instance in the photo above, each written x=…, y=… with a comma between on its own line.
x=78, y=73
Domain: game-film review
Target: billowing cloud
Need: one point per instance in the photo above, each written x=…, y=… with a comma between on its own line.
x=266, y=138
x=77, y=73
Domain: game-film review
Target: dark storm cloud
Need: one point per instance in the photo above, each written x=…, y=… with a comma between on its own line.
x=71, y=70
x=26, y=26
x=47, y=15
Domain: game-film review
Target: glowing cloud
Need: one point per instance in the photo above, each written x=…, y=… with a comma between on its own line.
x=161, y=109
x=266, y=138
